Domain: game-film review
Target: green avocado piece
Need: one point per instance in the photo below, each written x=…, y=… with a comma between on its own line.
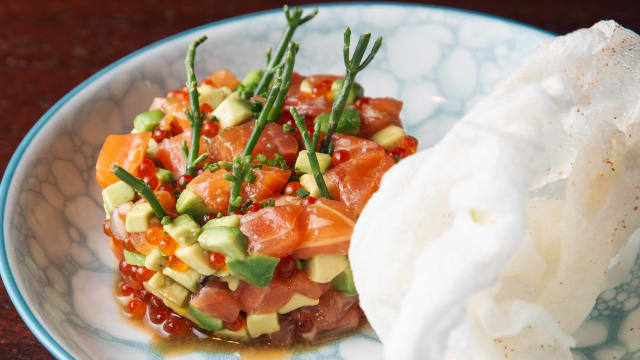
x=356, y=92
x=134, y=258
x=344, y=283
x=297, y=301
x=227, y=240
x=152, y=148
x=205, y=321
x=138, y=217
x=324, y=268
x=148, y=120
x=349, y=123
x=256, y=269
x=259, y=324
x=232, y=111
x=196, y=258
x=389, y=137
x=183, y=230
x=252, y=78
x=116, y=194
x=229, y=220
x=189, y=279
x=190, y=203
x=212, y=96
x=240, y=335
x=173, y=295
x=304, y=167
x=156, y=260
x=165, y=176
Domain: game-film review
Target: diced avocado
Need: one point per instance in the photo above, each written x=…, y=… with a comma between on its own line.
x=297, y=301
x=240, y=335
x=389, y=137
x=324, y=268
x=308, y=182
x=190, y=203
x=344, y=283
x=167, y=289
x=183, y=229
x=252, y=78
x=205, y=321
x=258, y=324
x=227, y=240
x=148, y=120
x=189, y=279
x=349, y=122
x=138, y=217
x=116, y=194
x=196, y=258
x=229, y=220
x=357, y=91
x=212, y=96
x=256, y=269
x=232, y=282
x=134, y=258
x=152, y=148
x=306, y=87
x=303, y=165
x=165, y=176
x=155, y=260
x=232, y=111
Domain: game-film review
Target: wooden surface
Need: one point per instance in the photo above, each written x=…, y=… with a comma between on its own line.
x=48, y=47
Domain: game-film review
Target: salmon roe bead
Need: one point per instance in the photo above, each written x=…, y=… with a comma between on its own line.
x=236, y=325
x=175, y=326
x=210, y=128
x=291, y=188
x=286, y=267
x=136, y=309
x=168, y=245
x=176, y=264
x=217, y=261
x=159, y=134
x=124, y=290
x=154, y=235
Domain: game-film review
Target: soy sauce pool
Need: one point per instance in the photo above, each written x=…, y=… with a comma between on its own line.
x=198, y=341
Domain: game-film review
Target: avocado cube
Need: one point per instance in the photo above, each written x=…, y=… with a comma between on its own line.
x=356, y=91
x=227, y=240
x=259, y=324
x=155, y=261
x=212, y=96
x=232, y=282
x=190, y=203
x=183, y=229
x=324, y=268
x=116, y=194
x=148, y=120
x=256, y=269
x=189, y=279
x=252, y=78
x=229, y=220
x=297, y=301
x=304, y=166
x=344, y=283
x=306, y=86
x=138, y=217
x=196, y=258
x=232, y=111
x=166, y=289
x=165, y=176
x=134, y=258
x=205, y=321
x=240, y=335
x=389, y=137
x=308, y=182
x=349, y=122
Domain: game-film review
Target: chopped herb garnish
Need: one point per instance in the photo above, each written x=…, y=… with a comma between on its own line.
x=353, y=66
x=219, y=215
x=311, y=154
x=165, y=220
x=256, y=108
x=212, y=167
x=294, y=19
x=287, y=128
x=396, y=158
x=246, y=205
x=262, y=159
x=142, y=188
x=214, y=119
x=302, y=192
x=194, y=116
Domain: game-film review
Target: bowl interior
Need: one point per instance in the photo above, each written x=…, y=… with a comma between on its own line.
x=58, y=267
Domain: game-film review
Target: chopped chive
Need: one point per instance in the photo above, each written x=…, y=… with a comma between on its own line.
x=165, y=220
x=219, y=215
x=262, y=159
x=302, y=192
x=250, y=177
x=246, y=205
x=287, y=128
x=142, y=188
x=396, y=158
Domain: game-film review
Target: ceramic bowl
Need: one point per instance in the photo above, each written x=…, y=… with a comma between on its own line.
x=56, y=263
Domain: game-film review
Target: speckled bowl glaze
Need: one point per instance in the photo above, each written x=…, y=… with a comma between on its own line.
x=56, y=262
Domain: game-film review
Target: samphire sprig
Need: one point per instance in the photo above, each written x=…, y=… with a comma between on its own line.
x=353, y=67
x=294, y=19
x=241, y=168
x=194, y=116
x=141, y=188
x=311, y=153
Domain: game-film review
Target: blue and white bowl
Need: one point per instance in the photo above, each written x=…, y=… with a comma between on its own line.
x=55, y=261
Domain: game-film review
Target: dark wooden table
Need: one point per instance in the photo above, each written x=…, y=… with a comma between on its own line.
x=48, y=47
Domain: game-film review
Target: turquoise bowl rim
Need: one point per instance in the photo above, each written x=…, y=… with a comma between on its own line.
x=10, y=284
